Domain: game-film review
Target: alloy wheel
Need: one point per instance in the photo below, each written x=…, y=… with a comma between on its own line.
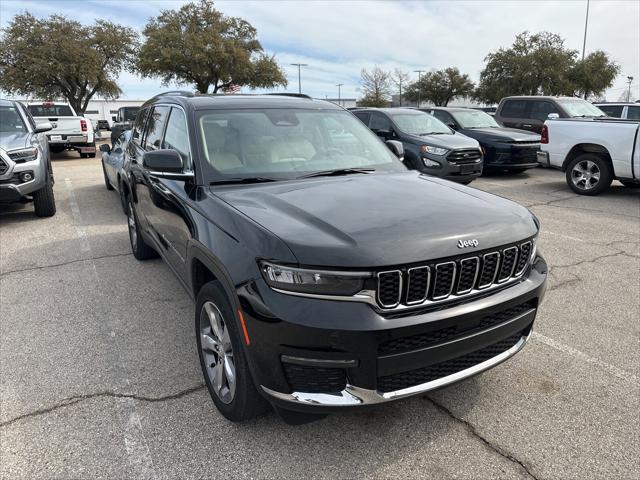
x=217, y=352
x=585, y=175
x=131, y=221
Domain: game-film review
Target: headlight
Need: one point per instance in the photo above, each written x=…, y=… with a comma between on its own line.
x=24, y=155
x=433, y=150
x=313, y=282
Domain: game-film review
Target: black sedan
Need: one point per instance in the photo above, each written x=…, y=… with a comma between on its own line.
x=112, y=161
x=504, y=148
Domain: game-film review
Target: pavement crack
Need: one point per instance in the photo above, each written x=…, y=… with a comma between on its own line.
x=67, y=402
x=70, y=262
x=570, y=281
x=595, y=259
x=473, y=431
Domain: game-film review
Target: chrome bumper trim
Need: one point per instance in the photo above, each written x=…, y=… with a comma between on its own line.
x=353, y=396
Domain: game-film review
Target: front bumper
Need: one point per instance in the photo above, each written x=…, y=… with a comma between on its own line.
x=308, y=343
x=511, y=156
x=451, y=171
x=12, y=188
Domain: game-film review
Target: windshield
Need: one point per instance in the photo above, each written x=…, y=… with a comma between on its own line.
x=10, y=120
x=419, y=124
x=50, y=110
x=288, y=143
x=581, y=108
x=474, y=119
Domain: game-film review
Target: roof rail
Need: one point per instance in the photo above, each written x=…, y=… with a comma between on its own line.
x=296, y=95
x=176, y=93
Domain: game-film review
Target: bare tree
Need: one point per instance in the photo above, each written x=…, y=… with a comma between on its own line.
x=376, y=86
x=400, y=78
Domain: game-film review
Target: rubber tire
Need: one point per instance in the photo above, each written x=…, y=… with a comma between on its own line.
x=123, y=197
x=84, y=155
x=95, y=153
x=106, y=179
x=44, y=201
x=466, y=182
x=517, y=170
x=142, y=250
x=630, y=184
x=606, y=176
x=247, y=402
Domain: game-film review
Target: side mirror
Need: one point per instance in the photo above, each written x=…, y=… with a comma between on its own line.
x=105, y=148
x=396, y=147
x=43, y=127
x=553, y=116
x=165, y=164
x=452, y=126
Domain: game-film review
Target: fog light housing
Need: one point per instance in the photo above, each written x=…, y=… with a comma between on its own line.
x=26, y=176
x=431, y=163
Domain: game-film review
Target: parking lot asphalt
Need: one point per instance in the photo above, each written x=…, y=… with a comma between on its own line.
x=100, y=377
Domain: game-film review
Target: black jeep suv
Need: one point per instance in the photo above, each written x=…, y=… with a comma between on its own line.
x=326, y=274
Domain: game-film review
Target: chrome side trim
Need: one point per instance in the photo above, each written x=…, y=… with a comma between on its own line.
x=504, y=255
x=453, y=280
x=475, y=276
x=399, y=297
x=354, y=396
x=426, y=291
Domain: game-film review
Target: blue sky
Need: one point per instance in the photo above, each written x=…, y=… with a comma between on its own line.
x=338, y=38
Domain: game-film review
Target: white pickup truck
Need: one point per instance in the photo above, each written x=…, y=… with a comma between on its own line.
x=70, y=131
x=592, y=151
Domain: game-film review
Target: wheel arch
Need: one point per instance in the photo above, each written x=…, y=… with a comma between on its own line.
x=583, y=148
x=204, y=268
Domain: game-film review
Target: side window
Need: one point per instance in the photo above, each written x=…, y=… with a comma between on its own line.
x=138, y=126
x=363, y=117
x=612, y=110
x=155, y=128
x=513, y=109
x=176, y=136
x=379, y=122
x=633, y=112
x=443, y=116
x=540, y=110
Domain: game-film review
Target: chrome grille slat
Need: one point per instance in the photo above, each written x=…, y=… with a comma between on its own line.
x=452, y=279
x=3, y=167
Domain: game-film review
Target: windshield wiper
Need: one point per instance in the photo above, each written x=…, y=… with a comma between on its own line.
x=338, y=171
x=239, y=180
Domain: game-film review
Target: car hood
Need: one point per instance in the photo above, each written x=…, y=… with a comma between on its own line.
x=12, y=140
x=502, y=134
x=449, y=141
x=378, y=220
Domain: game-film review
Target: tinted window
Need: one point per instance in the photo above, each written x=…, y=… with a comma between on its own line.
x=540, y=110
x=363, y=116
x=50, y=110
x=155, y=128
x=444, y=117
x=612, y=110
x=176, y=136
x=633, y=112
x=129, y=113
x=577, y=107
x=379, y=122
x=138, y=126
x=514, y=109
x=10, y=120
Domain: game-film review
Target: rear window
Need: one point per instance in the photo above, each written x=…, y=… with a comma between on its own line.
x=633, y=112
x=514, y=109
x=129, y=113
x=50, y=110
x=612, y=110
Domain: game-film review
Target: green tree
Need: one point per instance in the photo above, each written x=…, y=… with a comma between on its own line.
x=376, y=87
x=536, y=64
x=58, y=57
x=441, y=86
x=199, y=45
x=593, y=75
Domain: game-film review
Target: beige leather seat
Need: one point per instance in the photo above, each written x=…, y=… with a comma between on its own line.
x=220, y=157
x=292, y=148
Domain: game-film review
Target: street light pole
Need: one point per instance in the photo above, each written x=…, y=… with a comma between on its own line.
x=299, y=82
x=419, y=72
x=339, y=85
x=586, y=22
x=629, y=80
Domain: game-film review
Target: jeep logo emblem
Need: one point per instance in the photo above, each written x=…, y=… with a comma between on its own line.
x=467, y=243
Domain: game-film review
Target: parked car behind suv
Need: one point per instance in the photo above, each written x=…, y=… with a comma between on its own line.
x=25, y=167
x=626, y=110
x=326, y=274
x=122, y=121
x=503, y=148
x=429, y=145
x=529, y=113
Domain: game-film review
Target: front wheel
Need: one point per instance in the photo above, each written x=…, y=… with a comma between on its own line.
x=44, y=201
x=222, y=358
x=589, y=174
x=141, y=250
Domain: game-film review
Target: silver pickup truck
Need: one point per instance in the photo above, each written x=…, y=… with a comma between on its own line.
x=592, y=152
x=70, y=131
